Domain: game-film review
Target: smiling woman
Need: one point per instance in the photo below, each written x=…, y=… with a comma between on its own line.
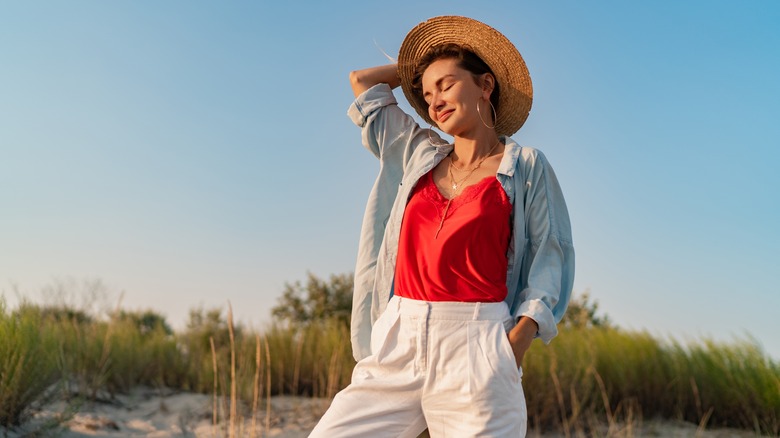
x=466, y=253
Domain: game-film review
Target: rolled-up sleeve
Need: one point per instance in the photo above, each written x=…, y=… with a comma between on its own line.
x=548, y=262
x=369, y=101
x=387, y=131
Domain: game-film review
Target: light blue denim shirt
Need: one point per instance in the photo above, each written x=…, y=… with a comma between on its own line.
x=540, y=270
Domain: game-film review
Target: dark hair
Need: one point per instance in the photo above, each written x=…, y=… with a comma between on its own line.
x=467, y=60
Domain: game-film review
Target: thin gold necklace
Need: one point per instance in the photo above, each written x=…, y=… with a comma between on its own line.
x=457, y=185
x=480, y=163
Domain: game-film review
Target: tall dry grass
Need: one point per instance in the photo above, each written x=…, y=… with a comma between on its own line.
x=594, y=375
x=28, y=358
x=588, y=379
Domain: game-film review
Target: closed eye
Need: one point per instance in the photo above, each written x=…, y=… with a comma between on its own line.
x=427, y=96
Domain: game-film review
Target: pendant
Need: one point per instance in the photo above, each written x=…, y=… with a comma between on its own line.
x=454, y=187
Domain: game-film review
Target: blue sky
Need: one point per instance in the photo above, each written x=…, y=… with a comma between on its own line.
x=191, y=153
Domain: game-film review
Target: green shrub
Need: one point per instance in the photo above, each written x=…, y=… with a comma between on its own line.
x=312, y=359
x=27, y=363
x=592, y=374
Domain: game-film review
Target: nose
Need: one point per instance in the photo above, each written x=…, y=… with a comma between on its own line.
x=437, y=102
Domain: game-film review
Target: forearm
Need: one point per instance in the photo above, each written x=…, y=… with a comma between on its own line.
x=521, y=336
x=362, y=80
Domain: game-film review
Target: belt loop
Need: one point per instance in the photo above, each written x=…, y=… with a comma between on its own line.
x=476, y=310
x=398, y=305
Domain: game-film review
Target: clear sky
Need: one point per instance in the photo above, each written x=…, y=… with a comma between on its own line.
x=188, y=153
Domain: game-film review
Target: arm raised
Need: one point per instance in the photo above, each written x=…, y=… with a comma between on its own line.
x=362, y=80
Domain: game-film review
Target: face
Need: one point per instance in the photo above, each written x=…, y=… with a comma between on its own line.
x=452, y=95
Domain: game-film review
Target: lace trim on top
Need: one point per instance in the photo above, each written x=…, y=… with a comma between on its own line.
x=431, y=192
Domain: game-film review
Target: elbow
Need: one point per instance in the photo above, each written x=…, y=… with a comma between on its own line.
x=357, y=79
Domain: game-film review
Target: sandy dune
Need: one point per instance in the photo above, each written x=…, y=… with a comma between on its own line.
x=149, y=412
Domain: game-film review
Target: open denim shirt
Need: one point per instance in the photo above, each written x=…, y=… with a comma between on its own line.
x=540, y=270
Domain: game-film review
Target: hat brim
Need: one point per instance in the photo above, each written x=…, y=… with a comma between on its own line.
x=491, y=46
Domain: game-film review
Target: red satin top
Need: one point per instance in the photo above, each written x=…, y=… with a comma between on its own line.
x=467, y=260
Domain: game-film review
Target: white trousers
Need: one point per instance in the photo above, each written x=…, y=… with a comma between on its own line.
x=445, y=365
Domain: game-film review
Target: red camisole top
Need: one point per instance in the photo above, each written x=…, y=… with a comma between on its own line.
x=467, y=261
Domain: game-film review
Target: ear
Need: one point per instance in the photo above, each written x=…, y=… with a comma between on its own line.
x=488, y=84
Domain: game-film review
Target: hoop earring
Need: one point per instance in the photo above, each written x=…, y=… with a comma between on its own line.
x=483, y=120
x=430, y=139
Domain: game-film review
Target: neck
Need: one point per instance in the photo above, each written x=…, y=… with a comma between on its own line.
x=470, y=150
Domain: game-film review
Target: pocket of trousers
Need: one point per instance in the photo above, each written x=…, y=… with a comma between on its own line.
x=491, y=360
x=381, y=331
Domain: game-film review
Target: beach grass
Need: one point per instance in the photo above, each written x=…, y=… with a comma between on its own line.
x=28, y=358
x=590, y=377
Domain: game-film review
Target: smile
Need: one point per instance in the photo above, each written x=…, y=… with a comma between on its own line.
x=444, y=115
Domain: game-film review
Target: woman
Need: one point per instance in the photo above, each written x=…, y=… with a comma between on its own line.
x=465, y=254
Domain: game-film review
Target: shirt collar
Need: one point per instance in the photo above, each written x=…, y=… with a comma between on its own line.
x=511, y=152
x=507, y=165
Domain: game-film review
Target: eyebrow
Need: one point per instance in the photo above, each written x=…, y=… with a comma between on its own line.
x=438, y=82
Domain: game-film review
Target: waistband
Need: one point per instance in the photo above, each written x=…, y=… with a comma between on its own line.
x=451, y=310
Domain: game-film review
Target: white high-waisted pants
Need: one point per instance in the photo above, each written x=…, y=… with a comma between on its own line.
x=447, y=365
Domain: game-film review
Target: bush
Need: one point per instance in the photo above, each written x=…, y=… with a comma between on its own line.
x=591, y=374
x=28, y=363
x=317, y=301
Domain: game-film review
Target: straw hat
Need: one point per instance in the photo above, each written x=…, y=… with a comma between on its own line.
x=489, y=44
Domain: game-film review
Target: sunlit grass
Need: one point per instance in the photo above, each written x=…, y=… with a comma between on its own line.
x=588, y=379
x=27, y=364
x=594, y=375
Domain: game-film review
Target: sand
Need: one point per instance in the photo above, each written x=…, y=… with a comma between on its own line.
x=147, y=412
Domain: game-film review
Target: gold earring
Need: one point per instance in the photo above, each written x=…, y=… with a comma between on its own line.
x=430, y=139
x=483, y=120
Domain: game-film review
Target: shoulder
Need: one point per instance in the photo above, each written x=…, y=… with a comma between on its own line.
x=524, y=158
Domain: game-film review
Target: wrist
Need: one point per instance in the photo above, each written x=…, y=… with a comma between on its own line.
x=524, y=331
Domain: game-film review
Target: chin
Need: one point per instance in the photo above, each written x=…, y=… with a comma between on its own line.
x=449, y=132
x=449, y=128
x=453, y=131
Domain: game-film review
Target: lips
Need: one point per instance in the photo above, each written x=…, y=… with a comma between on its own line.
x=444, y=115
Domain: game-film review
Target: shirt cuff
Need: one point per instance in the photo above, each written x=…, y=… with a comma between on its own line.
x=369, y=101
x=539, y=312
